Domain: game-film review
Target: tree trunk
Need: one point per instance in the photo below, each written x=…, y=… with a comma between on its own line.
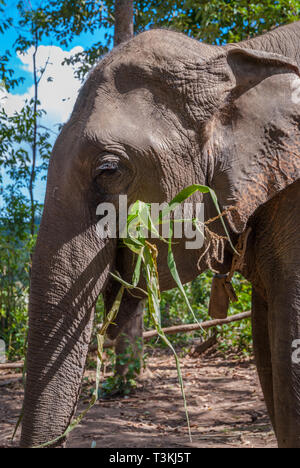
x=123, y=21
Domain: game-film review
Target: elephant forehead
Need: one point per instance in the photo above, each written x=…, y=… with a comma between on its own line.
x=132, y=120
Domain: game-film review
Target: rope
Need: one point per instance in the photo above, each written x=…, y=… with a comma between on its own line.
x=238, y=259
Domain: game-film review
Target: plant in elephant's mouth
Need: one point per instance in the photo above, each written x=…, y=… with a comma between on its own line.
x=138, y=220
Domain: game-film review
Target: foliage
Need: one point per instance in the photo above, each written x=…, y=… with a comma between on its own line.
x=66, y=20
x=24, y=154
x=123, y=384
x=6, y=74
x=217, y=21
x=15, y=247
x=212, y=21
x=16, y=140
x=235, y=337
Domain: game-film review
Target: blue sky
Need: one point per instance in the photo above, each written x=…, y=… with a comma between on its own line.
x=6, y=42
x=57, y=96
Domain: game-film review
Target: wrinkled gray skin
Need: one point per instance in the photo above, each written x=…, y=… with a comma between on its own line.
x=171, y=112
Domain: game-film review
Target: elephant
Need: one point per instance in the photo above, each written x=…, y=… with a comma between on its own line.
x=157, y=114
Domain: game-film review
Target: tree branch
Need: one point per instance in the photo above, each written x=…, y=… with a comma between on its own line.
x=188, y=328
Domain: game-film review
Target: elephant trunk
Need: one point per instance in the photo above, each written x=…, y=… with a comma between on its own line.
x=70, y=267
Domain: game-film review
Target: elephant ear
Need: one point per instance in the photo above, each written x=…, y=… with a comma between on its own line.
x=255, y=131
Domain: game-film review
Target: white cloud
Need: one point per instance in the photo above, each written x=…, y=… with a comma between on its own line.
x=58, y=96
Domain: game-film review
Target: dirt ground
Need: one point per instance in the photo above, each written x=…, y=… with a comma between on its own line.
x=226, y=408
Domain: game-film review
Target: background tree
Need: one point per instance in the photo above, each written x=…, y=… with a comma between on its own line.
x=124, y=14
x=24, y=154
x=215, y=21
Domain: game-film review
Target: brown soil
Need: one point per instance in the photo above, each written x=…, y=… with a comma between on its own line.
x=225, y=403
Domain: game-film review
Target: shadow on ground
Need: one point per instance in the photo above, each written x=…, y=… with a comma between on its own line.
x=226, y=408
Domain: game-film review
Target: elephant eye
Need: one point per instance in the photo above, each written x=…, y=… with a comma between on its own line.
x=107, y=168
x=110, y=174
x=107, y=174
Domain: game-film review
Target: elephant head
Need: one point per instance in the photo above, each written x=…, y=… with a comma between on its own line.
x=157, y=114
